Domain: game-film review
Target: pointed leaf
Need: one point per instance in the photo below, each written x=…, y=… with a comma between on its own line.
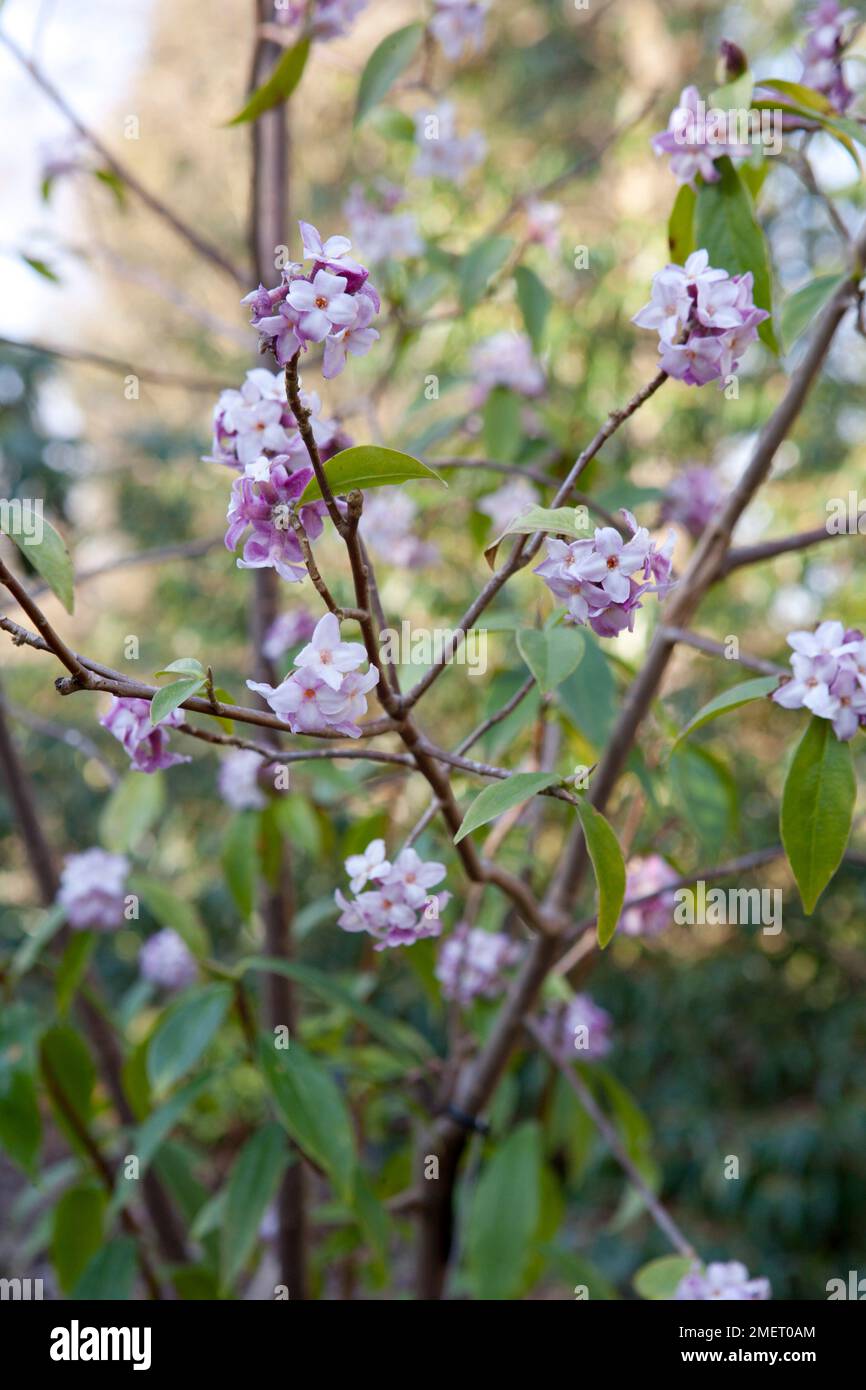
x=479, y=265
x=186, y=1029
x=731, y=699
x=801, y=307
x=366, y=466
x=313, y=1110
x=660, y=1279
x=250, y=1189
x=48, y=554
x=76, y=1233
x=551, y=656
x=110, y=1273
x=279, y=86
x=385, y=65
x=172, y=696
x=681, y=225
x=534, y=299
x=817, y=808
x=556, y=521
x=726, y=227
x=134, y=806
x=609, y=867
x=501, y=796
x=504, y=1215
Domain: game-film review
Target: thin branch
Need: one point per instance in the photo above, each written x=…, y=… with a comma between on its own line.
x=150, y=200
x=706, y=644
x=663, y=1220
x=768, y=550
x=117, y=364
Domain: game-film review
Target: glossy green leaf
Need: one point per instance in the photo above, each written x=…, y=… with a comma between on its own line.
x=555, y=521
x=185, y=1031
x=153, y=1132
x=183, y=666
x=385, y=64
x=69, y=1075
x=500, y=796
x=534, y=300
x=801, y=307
x=608, y=866
x=732, y=699
x=110, y=1274
x=501, y=424
x=172, y=910
x=76, y=1233
x=311, y=1107
x=479, y=265
x=133, y=808
x=170, y=697
x=240, y=860
x=504, y=1215
x=73, y=964
x=20, y=1120
x=250, y=1188
x=285, y=77
x=660, y=1279
x=817, y=808
x=551, y=656
x=588, y=698
x=48, y=555
x=366, y=466
x=726, y=227
x=681, y=225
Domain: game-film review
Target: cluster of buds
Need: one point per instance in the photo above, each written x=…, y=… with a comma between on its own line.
x=695, y=139
x=692, y=499
x=828, y=35
x=653, y=916
x=261, y=506
x=327, y=693
x=334, y=304
x=596, y=578
x=726, y=1282
x=458, y=26
x=829, y=677
x=505, y=359
x=166, y=960
x=385, y=234
x=92, y=890
x=257, y=420
x=472, y=963
x=238, y=780
x=705, y=319
x=128, y=719
x=398, y=909
x=576, y=1030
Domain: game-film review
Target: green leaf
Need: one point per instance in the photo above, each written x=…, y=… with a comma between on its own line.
x=68, y=1069
x=608, y=866
x=251, y=1186
x=171, y=696
x=153, y=1132
x=41, y=267
x=240, y=860
x=73, y=964
x=49, y=555
x=734, y=698
x=501, y=796
x=726, y=227
x=20, y=1120
x=551, y=656
x=184, y=666
x=279, y=86
x=588, y=698
x=801, y=307
x=502, y=411
x=170, y=910
x=557, y=521
x=706, y=794
x=660, y=1279
x=681, y=225
x=186, y=1029
x=109, y=1274
x=404, y=1040
x=534, y=299
x=504, y=1216
x=76, y=1233
x=817, y=807
x=365, y=466
x=35, y=940
x=735, y=95
x=479, y=265
x=134, y=806
x=312, y=1109
x=385, y=64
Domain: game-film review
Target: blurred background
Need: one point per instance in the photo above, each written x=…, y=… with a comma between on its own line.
x=731, y=1042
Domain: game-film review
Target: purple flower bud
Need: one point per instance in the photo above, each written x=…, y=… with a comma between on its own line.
x=92, y=889
x=732, y=62
x=165, y=960
x=129, y=721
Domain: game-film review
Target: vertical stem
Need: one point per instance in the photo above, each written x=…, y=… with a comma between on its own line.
x=268, y=229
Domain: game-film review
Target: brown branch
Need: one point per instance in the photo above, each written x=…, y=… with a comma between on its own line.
x=116, y=364
x=768, y=550
x=706, y=644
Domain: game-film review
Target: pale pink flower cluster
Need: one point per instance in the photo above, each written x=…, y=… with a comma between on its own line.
x=507, y=502
x=92, y=890
x=321, y=19
x=705, y=319
x=386, y=525
x=695, y=138
x=505, y=359
x=646, y=876
x=458, y=26
x=238, y=780
x=692, y=499
x=542, y=224
x=287, y=631
x=442, y=153
x=577, y=1030
x=830, y=31
x=829, y=677
x=334, y=304
x=326, y=693
x=596, y=578
x=724, y=1282
x=472, y=963
x=398, y=908
x=257, y=420
x=384, y=234
x=166, y=960
x=128, y=719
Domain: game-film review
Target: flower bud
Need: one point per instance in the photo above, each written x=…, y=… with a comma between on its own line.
x=731, y=62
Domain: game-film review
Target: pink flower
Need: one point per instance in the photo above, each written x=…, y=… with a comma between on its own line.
x=321, y=305
x=332, y=255
x=577, y=1030
x=692, y=499
x=413, y=877
x=261, y=503
x=441, y=152
x=542, y=224
x=92, y=889
x=238, y=780
x=507, y=502
x=650, y=917
x=165, y=960
x=398, y=911
x=129, y=721
x=287, y=631
x=611, y=560
x=357, y=337
x=472, y=963
x=372, y=864
x=505, y=359
x=829, y=679
x=458, y=26
x=695, y=142
x=329, y=657
x=728, y=1282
